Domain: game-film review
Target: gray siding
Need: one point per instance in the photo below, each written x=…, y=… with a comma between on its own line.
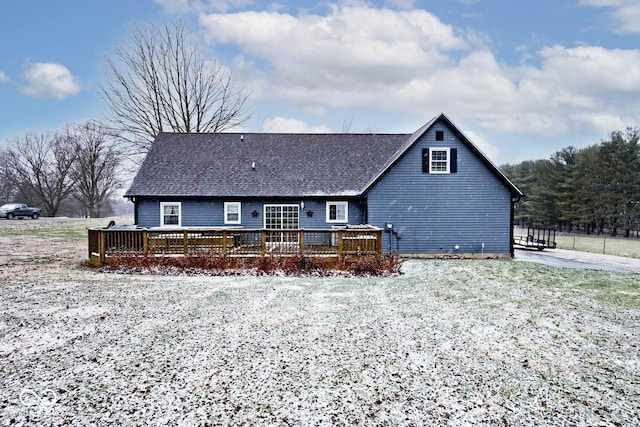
x=432, y=213
x=210, y=212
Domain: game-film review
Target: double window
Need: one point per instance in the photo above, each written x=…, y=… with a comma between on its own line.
x=170, y=214
x=337, y=212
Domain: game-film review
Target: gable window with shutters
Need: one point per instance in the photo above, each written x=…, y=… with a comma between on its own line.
x=439, y=160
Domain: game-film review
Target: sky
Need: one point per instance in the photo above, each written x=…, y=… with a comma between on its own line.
x=522, y=79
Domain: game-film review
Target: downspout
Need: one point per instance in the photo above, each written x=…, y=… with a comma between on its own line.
x=135, y=209
x=512, y=217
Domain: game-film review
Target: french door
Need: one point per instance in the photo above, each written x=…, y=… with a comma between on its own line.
x=282, y=217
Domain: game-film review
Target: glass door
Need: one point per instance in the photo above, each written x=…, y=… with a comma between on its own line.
x=282, y=217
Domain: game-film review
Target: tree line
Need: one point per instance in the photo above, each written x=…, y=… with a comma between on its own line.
x=595, y=189
x=76, y=170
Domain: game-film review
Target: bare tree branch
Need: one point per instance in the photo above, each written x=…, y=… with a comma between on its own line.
x=96, y=167
x=162, y=83
x=41, y=164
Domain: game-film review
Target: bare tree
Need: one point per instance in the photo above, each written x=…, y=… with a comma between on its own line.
x=162, y=83
x=41, y=166
x=346, y=125
x=8, y=189
x=95, y=170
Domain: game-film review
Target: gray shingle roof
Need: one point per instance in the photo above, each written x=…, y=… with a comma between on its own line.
x=286, y=165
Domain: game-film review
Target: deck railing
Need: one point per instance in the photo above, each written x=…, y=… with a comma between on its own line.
x=104, y=243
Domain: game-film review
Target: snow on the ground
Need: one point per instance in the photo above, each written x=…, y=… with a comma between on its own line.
x=455, y=342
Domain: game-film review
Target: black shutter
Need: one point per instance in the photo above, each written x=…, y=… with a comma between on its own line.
x=453, y=162
x=425, y=160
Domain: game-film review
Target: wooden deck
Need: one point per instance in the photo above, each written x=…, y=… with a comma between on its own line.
x=104, y=243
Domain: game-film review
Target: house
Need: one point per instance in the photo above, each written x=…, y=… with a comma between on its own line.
x=433, y=191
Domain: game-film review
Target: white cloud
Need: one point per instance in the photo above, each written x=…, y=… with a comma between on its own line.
x=409, y=62
x=375, y=43
x=288, y=125
x=321, y=61
x=3, y=78
x=50, y=80
x=625, y=13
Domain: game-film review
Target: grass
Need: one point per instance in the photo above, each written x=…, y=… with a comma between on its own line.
x=449, y=342
x=619, y=246
x=68, y=228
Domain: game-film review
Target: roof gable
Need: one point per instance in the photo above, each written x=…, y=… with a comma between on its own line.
x=417, y=135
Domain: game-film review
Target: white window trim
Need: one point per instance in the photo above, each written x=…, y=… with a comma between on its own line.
x=162, y=205
x=346, y=213
x=226, y=212
x=448, y=170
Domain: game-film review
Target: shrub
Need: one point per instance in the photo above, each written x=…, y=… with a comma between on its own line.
x=207, y=262
x=266, y=264
x=297, y=265
x=375, y=265
x=134, y=260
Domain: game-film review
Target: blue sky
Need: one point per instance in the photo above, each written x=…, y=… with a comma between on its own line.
x=522, y=79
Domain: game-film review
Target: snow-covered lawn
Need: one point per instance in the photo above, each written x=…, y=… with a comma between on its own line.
x=457, y=342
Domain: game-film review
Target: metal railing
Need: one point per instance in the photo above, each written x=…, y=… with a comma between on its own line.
x=104, y=243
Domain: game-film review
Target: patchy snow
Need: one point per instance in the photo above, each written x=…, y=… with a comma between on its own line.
x=450, y=342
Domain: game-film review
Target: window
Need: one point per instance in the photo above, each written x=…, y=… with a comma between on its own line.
x=170, y=214
x=232, y=213
x=439, y=135
x=439, y=160
x=337, y=211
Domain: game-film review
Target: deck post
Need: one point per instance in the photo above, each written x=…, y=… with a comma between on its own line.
x=89, y=239
x=340, y=245
x=185, y=243
x=145, y=241
x=379, y=242
x=301, y=240
x=263, y=244
x=102, y=247
x=224, y=242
